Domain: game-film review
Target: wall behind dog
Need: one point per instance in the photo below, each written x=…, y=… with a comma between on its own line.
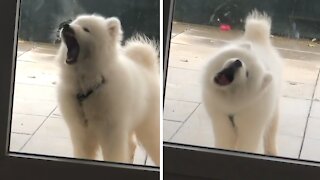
x=291, y=18
x=40, y=19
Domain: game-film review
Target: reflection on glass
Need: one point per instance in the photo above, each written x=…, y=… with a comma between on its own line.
x=199, y=34
x=89, y=94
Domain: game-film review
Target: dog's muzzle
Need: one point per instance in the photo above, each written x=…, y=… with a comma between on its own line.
x=226, y=76
x=68, y=35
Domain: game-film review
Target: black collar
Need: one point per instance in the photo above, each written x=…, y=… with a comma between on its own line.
x=83, y=96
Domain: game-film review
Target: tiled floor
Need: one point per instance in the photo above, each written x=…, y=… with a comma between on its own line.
x=185, y=118
x=37, y=125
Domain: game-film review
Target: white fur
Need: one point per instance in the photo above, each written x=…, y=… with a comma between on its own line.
x=128, y=102
x=254, y=101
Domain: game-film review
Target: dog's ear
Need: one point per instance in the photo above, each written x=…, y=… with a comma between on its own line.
x=114, y=26
x=266, y=81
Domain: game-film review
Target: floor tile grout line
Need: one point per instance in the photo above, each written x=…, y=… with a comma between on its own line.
x=171, y=99
x=144, y=152
x=306, y=126
x=177, y=35
x=298, y=51
x=181, y=100
x=185, y=30
x=37, y=115
x=47, y=117
x=297, y=98
x=34, y=99
x=26, y=61
x=18, y=56
x=290, y=135
x=180, y=43
x=182, y=124
x=22, y=54
x=32, y=48
x=21, y=133
x=195, y=70
x=172, y=120
x=314, y=138
x=145, y=159
x=42, y=85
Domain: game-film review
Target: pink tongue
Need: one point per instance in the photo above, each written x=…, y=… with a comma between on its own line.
x=223, y=80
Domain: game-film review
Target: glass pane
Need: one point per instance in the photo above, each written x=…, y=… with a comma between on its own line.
x=225, y=87
x=81, y=91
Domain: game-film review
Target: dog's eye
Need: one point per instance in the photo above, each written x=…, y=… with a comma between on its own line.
x=86, y=29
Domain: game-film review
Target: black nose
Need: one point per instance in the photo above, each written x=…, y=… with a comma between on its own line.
x=66, y=26
x=67, y=30
x=237, y=63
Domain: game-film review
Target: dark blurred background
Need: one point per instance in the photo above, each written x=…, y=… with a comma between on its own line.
x=291, y=18
x=40, y=19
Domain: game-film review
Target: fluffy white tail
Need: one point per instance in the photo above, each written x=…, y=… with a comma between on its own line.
x=142, y=50
x=257, y=27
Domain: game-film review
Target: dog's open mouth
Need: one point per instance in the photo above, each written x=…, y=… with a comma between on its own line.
x=226, y=76
x=72, y=44
x=223, y=79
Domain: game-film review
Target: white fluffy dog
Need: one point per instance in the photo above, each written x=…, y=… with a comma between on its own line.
x=241, y=90
x=107, y=92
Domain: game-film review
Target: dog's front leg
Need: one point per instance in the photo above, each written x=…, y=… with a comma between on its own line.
x=115, y=145
x=223, y=129
x=249, y=134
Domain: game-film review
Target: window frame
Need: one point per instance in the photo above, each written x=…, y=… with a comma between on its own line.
x=186, y=162
x=27, y=166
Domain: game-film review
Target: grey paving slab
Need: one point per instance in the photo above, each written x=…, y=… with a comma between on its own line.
x=17, y=141
x=315, y=110
x=178, y=110
x=170, y=127
x=197, y=130
x=311, y=149
x=293, y=116
x=26, y=124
